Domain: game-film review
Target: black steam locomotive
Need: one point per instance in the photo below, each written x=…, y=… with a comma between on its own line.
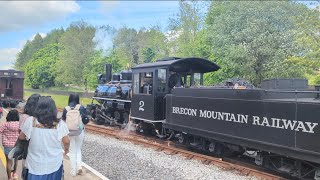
x=114, y=96
x=277, y=125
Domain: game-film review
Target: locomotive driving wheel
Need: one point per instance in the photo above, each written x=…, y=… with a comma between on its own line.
x=170, y=134
x=107, y=121
x=181, y=138
x=125, y=120
x=215, y=148
x=117, y=117
x=212, y=147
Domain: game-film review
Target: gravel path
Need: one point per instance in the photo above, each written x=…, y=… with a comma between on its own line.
x=117, y=159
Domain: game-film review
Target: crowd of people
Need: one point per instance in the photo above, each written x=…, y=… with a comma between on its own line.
x=40, y=139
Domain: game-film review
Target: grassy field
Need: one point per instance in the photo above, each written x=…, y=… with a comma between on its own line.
x=61, y=100
x=70, y=89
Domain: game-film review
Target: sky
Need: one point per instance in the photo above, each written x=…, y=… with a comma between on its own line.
x=21, y=20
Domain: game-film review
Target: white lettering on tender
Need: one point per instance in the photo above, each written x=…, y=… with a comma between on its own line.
x=300, y=126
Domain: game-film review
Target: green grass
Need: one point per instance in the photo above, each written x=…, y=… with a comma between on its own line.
x=70, y=89
x=60, y=100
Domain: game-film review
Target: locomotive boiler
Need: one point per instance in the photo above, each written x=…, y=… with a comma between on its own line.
x=276, y=125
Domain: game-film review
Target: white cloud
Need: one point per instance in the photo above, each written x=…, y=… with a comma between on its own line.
x=7, y=57
x=172, y=35
x=107, y=5
x=138, y=13
x=41, y=34
x=15, y=15
x=23, y=42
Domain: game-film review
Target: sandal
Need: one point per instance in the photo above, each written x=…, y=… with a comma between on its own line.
x=15, y=176
x=80, y=172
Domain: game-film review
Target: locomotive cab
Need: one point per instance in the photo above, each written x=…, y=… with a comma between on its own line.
x=153, y=81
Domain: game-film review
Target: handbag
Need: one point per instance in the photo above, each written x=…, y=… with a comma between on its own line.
x=24, y=173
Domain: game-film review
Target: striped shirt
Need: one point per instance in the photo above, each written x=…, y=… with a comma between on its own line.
x=9, y=132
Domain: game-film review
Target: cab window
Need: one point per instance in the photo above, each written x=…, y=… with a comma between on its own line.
x=196, y=79
x=136, y=84
x=146, y=83
x=188, y=80
x=162, y=80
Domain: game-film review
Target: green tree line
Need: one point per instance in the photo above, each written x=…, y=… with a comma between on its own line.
x=254, y=40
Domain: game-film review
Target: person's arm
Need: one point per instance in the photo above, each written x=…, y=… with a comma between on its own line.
x=66, y=144
x=26, y=129
x=22, y=136
x=63, y=132
x=1, y=128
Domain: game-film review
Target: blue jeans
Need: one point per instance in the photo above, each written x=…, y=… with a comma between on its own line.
x=53, y=176
x=7, y=150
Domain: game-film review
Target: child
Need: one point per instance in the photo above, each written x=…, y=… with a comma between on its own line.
x=10, y=132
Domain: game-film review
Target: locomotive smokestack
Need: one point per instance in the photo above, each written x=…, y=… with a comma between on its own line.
x=108, y=72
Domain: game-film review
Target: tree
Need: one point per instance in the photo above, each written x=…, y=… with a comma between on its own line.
x=78, y=49
x=254, y=39
x=308, y=43
x=28, y=50
x=32, y=46
x=152, y=44
x=97, y=66
x=184, y=28
x=135, y=47
x=125, y=43
x=40, y=71
x=53, y=36
x=148, y=54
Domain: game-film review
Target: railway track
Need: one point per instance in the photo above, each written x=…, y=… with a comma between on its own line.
x=170, y=148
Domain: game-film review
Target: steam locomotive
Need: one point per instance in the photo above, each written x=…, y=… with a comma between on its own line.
x=114, y=96
x=276, y=125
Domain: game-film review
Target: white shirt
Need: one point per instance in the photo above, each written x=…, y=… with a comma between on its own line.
x=45, y=152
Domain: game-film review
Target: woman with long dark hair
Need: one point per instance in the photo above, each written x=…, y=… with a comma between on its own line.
x=45, y=134
x=29, y=108
x=28, y=111
x=76, y=137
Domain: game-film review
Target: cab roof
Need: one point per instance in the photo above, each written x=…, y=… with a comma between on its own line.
x=192, y=65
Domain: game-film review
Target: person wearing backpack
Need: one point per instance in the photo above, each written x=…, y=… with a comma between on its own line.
x=75, y=118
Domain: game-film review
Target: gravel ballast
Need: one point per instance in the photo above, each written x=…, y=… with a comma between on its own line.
x=118, y=159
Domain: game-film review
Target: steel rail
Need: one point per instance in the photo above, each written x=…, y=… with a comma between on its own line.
x=168, y=147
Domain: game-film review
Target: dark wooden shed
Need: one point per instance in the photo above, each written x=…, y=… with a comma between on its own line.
x=11, y=87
